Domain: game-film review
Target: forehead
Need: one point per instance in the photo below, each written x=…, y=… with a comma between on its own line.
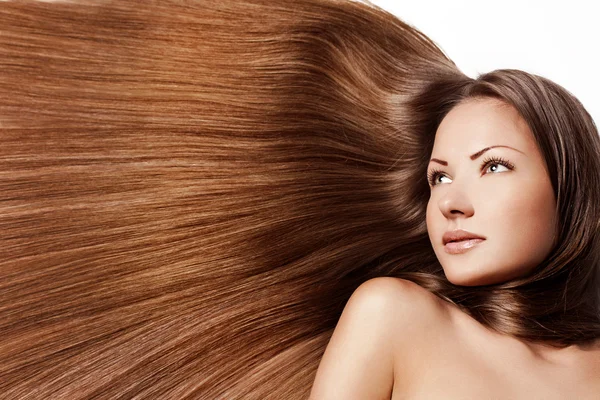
x=478, y=123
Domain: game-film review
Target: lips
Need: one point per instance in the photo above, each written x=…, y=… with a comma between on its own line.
x=458, y=236
x=459, y=241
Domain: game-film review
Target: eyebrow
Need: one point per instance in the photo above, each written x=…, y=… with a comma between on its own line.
x=475, y=155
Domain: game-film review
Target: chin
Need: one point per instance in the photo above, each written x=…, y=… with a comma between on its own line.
x=468, y=277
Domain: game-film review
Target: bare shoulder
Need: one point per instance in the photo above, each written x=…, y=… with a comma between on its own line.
x=398, y=304
x=373, y=330
x=421, y=324
x=411, y=310
x=403, y=302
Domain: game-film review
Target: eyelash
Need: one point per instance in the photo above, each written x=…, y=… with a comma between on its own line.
x=433, y=174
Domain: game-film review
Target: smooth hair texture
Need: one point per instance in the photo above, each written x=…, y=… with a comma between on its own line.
x=558, y=303
x=191, y=191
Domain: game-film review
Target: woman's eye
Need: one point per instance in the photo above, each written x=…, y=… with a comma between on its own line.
x=439, y=177
x=496, y=164
x=493, y=167
x=489, y=165
x=435, y=176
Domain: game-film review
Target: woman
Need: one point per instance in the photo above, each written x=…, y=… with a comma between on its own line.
x=190, y=193
x=519, y=245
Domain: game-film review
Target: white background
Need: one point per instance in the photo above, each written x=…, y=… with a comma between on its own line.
x=559, y=40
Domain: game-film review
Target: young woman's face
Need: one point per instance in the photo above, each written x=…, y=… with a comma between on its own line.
x=502, y=195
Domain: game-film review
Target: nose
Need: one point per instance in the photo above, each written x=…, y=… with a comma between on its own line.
x=456, y=204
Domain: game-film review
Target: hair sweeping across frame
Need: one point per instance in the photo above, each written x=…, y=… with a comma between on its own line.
x=190, y=191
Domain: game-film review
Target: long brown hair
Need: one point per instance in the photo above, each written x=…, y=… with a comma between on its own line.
x=559, y=302
x=190, y=192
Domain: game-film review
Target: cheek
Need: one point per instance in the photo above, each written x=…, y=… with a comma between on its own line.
x=522, y=219
x=433, y=219
x=540, y=216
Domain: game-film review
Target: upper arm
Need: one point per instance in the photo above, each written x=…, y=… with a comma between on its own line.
x=358, y=362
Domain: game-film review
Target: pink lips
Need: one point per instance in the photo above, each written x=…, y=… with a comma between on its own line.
x=460, y=241
x=462, y=246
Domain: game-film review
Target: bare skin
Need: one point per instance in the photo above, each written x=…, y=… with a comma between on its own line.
x=493, y=183
x=396, y=340
x=468, y=361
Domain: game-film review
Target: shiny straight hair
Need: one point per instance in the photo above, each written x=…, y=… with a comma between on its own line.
x=558, y=303
x=191, y=191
